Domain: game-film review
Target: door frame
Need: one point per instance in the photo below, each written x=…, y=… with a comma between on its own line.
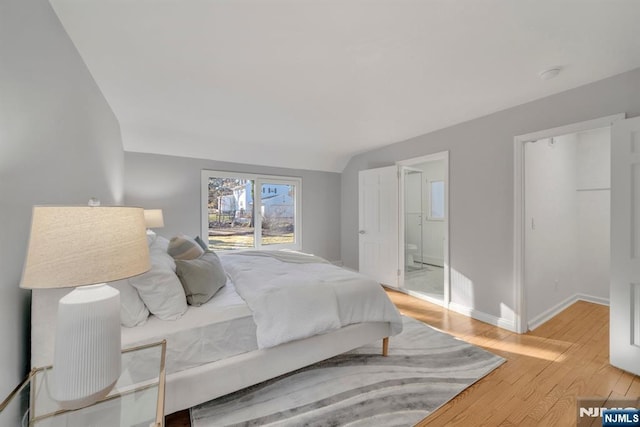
x=519, y=220
x=444, y=156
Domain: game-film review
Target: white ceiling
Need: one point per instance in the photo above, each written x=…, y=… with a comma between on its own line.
x=309, y=83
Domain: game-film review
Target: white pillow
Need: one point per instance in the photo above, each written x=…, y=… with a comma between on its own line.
x=161, y=242
x=151, y=237
x=160, y=257
x=160, y=288
x=162, y=293
x=133, y=312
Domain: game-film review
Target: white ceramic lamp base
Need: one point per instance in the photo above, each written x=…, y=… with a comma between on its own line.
x=87, y=359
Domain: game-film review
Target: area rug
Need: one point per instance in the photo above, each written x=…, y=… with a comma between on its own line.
x=424, y=370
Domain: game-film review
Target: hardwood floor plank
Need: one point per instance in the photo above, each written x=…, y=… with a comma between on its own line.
x=634, y=389
x=623, y=383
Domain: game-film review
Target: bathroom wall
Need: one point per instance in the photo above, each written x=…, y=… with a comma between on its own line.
x=413, y=216
x=432, y=229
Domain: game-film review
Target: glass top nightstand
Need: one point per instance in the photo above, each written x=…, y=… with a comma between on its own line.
x=137, y=399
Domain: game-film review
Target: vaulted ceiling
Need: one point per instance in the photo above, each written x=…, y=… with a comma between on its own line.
x=310, y=83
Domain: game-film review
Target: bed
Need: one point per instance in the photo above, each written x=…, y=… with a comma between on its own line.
x=225, y=345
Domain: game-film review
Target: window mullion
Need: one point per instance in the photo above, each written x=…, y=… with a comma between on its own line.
x=257, y=214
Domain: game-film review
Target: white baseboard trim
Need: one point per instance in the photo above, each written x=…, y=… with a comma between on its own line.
x=551, y=312
x=595, y=300
x=483, y=317
x=424, y=297
x=556, y=309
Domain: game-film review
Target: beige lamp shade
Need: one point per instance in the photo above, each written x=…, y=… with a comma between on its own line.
x=154, y=218
x=79, y=245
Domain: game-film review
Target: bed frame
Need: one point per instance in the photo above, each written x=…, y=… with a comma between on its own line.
x=196, y=385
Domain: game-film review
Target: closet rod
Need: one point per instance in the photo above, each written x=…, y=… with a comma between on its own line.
x=593, y=189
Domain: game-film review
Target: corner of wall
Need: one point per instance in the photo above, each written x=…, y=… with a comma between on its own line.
x=500, y=322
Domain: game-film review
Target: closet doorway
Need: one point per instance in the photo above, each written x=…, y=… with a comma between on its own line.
x=567, y=206
x=424, y=227
x=562, y=219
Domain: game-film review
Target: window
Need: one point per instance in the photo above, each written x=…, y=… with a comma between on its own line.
x=436, y=200
x=245, y=211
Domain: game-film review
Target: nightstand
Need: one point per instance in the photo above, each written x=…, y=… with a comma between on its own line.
x=137, y=399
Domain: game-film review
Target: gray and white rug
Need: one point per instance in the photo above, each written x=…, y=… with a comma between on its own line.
x=424, y=370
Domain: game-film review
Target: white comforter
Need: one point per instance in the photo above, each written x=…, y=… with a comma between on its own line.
x=292, y=300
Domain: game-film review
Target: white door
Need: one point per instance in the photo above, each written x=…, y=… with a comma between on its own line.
x=625, y=246
x=378, y=224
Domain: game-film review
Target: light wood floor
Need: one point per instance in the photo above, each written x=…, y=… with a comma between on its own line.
x=545, y=371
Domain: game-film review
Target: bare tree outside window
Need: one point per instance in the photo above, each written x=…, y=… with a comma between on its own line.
x=236, y=205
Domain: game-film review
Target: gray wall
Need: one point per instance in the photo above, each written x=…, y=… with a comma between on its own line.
x=173, y=184
x=481, y=184
x=59, y=143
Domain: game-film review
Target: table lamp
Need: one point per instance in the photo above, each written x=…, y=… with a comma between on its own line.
x=84, y=247
x=153, y=218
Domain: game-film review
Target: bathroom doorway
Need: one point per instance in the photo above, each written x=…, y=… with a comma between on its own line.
x=413, y=216
x=424, y=228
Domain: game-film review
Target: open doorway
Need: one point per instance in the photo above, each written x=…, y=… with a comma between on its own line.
x=562, y=219
x=424, y=227
x=567, y=206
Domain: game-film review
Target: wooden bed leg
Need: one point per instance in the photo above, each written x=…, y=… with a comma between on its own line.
x=385, y=346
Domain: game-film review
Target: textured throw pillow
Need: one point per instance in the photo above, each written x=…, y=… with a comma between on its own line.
x=160, y=288
x=133, y=312
x=201, y=278
x=184, y=247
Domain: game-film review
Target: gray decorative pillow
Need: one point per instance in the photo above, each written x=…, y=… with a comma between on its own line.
x=202, y=244
x=184, y=247
x=201, y=278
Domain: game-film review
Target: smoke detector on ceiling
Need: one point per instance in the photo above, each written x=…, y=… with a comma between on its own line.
x=549, y=73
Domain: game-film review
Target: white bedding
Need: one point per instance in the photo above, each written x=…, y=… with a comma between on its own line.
x=293, y=300
x=221, y=328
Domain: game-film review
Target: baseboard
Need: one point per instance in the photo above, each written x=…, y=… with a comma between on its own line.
x=483, y=317
x=551, y=312
x=595, y=300
x=556, y=309
x=424, y=297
